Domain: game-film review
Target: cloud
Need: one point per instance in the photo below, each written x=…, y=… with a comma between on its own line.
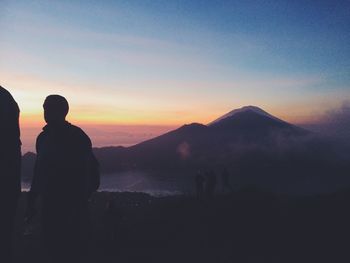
x=334, y=122
x=339, y=115
x=338, y=120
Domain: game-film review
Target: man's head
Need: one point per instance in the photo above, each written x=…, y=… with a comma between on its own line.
x=55, y=109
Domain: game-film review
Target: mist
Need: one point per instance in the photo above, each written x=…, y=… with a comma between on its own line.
x=334, y=123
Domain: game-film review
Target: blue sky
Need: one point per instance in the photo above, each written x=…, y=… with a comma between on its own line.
x=173, y=62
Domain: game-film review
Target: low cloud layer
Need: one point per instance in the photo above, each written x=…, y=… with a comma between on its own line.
x=334, y=122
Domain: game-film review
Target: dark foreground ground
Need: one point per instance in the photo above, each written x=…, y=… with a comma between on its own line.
x=248, y=226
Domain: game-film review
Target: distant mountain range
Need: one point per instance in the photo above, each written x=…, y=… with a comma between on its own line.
x=196, y=145
x=256, y=146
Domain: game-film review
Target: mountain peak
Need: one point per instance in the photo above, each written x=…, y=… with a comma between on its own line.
x=249, y=108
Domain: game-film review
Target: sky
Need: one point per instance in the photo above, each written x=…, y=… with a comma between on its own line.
x=132, y=70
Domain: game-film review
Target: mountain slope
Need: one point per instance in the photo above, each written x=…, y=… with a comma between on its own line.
x=253, y=109
x=197, y=144
x=257, y=147
x=250, y=126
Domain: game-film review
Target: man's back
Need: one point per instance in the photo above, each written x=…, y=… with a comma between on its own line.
x=63, y=159
x=65, y=174
x=9, y=120
x=10, y=169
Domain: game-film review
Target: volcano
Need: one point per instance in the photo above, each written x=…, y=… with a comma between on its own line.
x=257, y=147
x=194, y=144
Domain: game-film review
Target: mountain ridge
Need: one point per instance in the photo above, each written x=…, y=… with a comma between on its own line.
x=193, y=144
x=252, y=108
x=260, y=149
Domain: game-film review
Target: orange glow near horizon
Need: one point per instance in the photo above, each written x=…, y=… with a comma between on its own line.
x=125, y=114
x=138, y=103
x=97, y=117
x=125, y=119
x=118, y=72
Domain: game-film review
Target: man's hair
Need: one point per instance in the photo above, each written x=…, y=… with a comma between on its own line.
x=57, y=103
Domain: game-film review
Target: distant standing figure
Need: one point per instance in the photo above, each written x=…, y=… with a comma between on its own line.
x=114, y=216
x=199, y=180
x=10, y=170
x=65, y=175
x=225, y=181
x=210, y=183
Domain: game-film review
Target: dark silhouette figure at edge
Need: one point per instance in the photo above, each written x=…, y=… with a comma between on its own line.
x=10, y=173
x=66, y=173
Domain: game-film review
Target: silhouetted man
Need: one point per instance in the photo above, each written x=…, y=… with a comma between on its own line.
x=65, y=175
x=210, y=183
x=225, y=181
x=114, y=217
x=10, y=163
x=199, y=180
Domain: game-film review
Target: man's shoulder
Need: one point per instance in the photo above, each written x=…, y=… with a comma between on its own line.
x=41, y=135
x=4, y=92
x=5, y=96
x=7, y=100
x=78, y=133
x=77, y=130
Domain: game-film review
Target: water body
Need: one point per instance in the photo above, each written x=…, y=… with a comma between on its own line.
x=135, y=181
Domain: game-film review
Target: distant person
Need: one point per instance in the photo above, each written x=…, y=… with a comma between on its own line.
x=210, y=183
x=65, y=175
x=225, y=181
x=10, y=170
x=199, y=180
x=114, y=218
